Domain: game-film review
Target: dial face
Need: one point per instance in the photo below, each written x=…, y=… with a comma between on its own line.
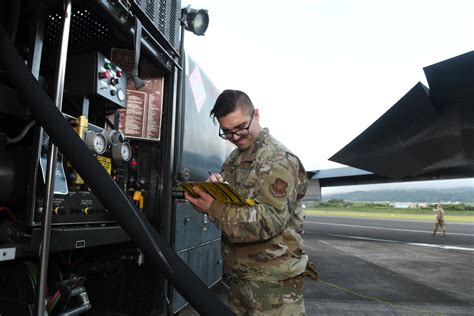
x=100, y=144
x=126, y=151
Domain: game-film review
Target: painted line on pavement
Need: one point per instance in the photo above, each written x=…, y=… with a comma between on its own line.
x=383, y=228
x=406, y=243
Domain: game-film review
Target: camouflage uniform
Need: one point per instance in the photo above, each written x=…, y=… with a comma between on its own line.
x=439, y=223
x=261, y=244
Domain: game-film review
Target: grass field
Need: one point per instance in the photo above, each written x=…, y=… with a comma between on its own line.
x=395, y=214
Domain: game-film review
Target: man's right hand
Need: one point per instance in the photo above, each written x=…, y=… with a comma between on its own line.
x=215, y=177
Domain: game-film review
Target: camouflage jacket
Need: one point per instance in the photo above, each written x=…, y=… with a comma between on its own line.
x=263, y=241
x=439, y=214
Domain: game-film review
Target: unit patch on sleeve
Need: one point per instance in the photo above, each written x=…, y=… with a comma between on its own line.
x=278, y=188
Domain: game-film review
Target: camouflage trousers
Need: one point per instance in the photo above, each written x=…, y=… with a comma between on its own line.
x=439, y=224
x=267, y=298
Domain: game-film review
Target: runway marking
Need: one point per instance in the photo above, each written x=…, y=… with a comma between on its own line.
x=442, y=246
x=356, y=292
x=373, y=298
x=384, y=228
x=406, y=243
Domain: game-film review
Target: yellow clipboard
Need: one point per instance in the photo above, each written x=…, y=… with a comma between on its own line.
x=221, y=191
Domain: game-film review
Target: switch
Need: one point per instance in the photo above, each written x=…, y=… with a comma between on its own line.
x=89, y=210
x=121, y=95
x=104, y=75
x=59, y=210
x=133, y=165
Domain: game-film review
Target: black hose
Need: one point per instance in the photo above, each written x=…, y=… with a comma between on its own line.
x=108, y=192
x=22, y=134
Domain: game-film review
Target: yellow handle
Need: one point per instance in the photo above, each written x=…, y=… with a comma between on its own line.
x=138, y=198
x=250, y=202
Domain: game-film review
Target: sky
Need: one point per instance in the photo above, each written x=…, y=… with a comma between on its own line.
x=321, y=71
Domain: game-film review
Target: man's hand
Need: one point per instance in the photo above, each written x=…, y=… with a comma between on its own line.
x=202, y=203
x=215, y=177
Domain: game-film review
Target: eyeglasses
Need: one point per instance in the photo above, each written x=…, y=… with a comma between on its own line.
x=240, y=132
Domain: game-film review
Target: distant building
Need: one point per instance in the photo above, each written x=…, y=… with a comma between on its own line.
x=403, y=205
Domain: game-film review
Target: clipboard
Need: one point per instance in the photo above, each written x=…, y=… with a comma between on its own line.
x=221, y=191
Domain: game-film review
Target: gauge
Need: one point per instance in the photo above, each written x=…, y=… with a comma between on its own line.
x=96, y=142
x=122, y=151
x=126, y=151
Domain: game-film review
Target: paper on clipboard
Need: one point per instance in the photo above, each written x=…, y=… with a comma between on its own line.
x=221, y=191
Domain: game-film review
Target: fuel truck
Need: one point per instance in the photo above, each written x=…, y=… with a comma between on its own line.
x=102, y=115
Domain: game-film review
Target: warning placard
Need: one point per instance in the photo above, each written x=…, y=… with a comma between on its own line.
x=142, y=116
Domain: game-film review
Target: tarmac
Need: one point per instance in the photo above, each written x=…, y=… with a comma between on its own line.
x=372, y=278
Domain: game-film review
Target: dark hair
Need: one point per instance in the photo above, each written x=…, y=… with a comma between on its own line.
x=228, y=101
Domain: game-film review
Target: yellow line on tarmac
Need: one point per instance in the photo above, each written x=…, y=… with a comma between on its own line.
x=374, y=298
x=448, y=218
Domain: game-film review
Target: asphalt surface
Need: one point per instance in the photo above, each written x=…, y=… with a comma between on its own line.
x=389, y=267
x=386, y=267
x=412, y=231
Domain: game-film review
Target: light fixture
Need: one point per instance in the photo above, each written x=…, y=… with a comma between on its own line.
x=195, y=21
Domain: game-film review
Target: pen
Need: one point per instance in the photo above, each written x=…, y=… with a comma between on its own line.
x=249, y=201
x=211, y=174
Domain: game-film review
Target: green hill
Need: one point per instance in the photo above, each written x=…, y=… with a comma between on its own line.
x=462, y=195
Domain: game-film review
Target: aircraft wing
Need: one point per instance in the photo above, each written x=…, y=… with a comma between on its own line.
x=427, y=134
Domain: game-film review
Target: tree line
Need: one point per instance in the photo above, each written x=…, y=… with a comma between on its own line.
x=339, y=203
x=462, y=195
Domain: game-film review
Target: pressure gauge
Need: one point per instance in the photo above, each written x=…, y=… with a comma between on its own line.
x=126, y=151
x=122, y=151
x=96, y=142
